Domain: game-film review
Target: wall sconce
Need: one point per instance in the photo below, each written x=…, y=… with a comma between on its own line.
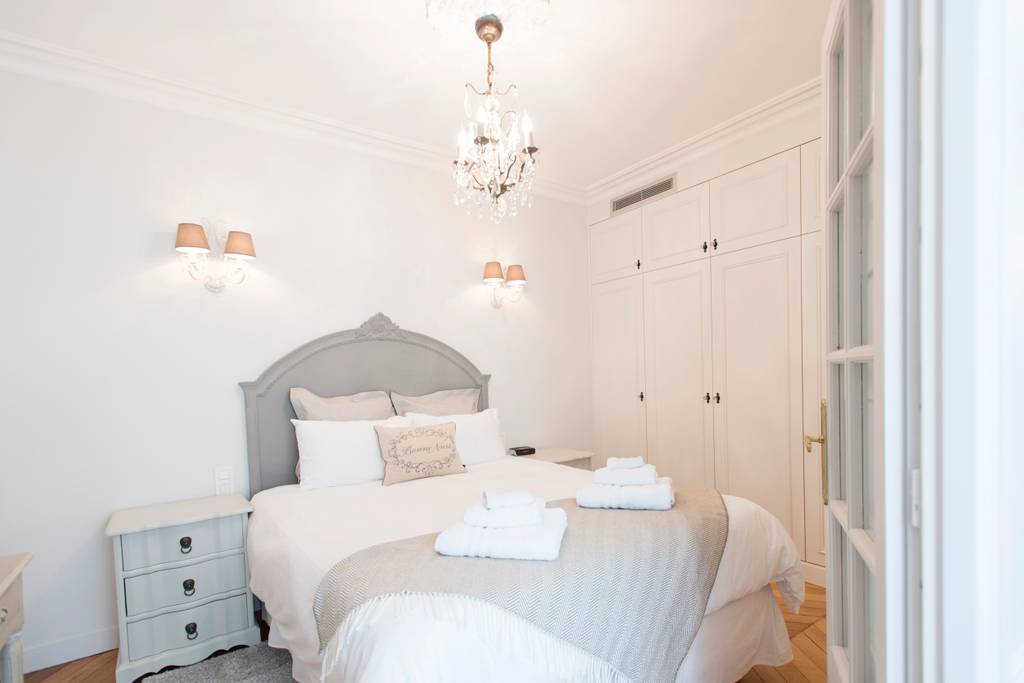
x=507, y=287
x=194, y=251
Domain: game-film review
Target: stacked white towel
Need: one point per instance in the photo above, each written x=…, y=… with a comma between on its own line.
x=627, y=484
x=507, y=525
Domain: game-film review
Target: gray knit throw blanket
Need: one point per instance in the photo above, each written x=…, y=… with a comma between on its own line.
x=630, y=587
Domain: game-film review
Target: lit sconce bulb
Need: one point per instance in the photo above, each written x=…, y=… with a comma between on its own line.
x=527, y=125
x=481, y=123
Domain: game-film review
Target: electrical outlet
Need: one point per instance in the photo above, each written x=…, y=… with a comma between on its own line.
x=224, y=480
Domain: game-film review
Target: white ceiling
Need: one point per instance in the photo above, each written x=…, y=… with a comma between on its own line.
x=607, y=82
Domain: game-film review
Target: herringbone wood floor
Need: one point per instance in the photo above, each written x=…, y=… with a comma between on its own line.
x=806, y=631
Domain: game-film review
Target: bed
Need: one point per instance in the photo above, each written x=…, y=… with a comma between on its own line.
x=297, y=536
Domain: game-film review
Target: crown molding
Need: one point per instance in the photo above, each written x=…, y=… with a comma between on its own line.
x=29, y=56
x=787, y=104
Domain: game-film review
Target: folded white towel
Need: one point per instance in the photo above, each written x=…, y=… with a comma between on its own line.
x=657, y=496
x=625, y=463
x=494, y=498
x=512, y=515
x=538, y=542
x=638, y=476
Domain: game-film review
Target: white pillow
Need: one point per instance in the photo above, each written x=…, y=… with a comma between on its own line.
x=477, y=436
x=340, y=453
x=445, y=402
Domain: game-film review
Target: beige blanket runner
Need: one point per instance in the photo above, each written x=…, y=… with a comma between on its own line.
x=629, y=587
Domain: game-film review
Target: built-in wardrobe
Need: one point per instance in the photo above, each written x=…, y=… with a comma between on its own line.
x=707, y=306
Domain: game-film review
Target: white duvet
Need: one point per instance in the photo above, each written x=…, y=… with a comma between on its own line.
x=296, y=537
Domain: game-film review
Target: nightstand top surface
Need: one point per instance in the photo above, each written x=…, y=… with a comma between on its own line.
x=10, y=567
x=171, y=514
x=559, y=455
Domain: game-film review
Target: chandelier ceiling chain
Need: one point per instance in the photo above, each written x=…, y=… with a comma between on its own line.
x=495, y=165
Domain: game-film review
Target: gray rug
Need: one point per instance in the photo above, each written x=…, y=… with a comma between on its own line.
x=258, y=664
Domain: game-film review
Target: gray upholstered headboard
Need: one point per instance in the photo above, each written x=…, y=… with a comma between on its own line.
x=376, y=355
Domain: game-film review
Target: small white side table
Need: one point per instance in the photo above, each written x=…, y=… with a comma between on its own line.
x=564, y=456
x=182, y=583
x=12, y=617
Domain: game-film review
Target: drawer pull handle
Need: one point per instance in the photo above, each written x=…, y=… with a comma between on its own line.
x=189, y=585
x=3, y=615
x=191, y=630
x=186, y=544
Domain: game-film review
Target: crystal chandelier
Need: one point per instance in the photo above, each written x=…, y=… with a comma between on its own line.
x=495, y=167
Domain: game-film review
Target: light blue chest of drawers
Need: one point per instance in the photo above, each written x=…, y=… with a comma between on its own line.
x=182, y=583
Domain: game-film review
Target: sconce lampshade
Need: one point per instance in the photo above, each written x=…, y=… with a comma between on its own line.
x=492, y=273
x=239, y=245
x=191, y=239
x=515, y=276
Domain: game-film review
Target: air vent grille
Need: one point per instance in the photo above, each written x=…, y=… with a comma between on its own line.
x=643, y=194
x=629, y=200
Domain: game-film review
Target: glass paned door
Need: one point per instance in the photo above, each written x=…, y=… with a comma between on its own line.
x=853, y=347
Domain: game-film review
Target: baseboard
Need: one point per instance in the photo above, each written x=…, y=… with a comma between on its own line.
x=71, y=648
x=814, y=573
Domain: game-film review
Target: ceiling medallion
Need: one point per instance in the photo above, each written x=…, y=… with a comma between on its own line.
x=495, y=166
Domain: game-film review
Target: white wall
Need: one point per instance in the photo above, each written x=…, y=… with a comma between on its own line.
x=119, y=374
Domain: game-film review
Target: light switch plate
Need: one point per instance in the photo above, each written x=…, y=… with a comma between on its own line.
x=224, y=480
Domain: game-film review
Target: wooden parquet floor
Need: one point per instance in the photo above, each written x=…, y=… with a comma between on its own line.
x=806, y=632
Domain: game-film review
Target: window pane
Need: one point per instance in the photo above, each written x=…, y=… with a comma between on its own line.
x=866, y=438
x=840, y=107
x=868, y=643
x=861, y=265
x=837, y=435
x=866, y=84
x=837, y=279
x=837, y=616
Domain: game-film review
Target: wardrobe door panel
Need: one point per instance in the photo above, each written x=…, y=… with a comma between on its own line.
x=757, y=383
x=756, y=204
x=813, y=294
x=615, y=247
x=677, y=332
x=676, y=229
x=618, y=368
x=812, y=186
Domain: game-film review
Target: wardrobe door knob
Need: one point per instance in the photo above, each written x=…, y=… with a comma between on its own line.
x=707, y=398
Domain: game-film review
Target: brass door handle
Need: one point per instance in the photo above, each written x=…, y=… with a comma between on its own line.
x=823, y=440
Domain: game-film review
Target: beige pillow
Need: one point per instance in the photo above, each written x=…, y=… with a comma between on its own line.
x=446, y=402
x=369, y=405
x=418, y=452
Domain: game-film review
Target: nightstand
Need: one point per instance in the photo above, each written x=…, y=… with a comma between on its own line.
x=182, y=583
x=12, y=617
x=563, y=456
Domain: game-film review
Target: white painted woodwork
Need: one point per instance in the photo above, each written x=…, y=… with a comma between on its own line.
x=147, y=548
x=812, y=186
x=756, y=204
x=676, y=228
x=615, y=247
x=618, y=368
x=166, y=588
x=154, y=604
x=564, y=456
x=677, y=332
x=179, y=512
x=756, y=356
x=150, y=637
x=12, y=617
x=814, y=320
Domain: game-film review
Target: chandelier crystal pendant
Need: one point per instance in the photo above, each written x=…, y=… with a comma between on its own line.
x=495, y=166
